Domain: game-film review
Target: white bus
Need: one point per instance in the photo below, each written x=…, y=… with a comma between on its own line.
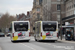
x=20, y=30
x=46, y=30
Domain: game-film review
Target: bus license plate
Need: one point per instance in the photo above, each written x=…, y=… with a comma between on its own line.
x=22, y=37
x=49, y=37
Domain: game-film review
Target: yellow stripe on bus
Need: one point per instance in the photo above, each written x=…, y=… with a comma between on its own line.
x=44, y=36
x=28, y=29
x=15, y=37
x=56, y=29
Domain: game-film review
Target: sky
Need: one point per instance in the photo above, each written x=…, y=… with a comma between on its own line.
x=14, y=7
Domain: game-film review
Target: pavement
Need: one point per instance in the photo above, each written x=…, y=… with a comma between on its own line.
x=63, y=40
x=6, y=44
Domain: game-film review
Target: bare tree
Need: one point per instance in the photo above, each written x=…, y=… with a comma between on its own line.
x=47, y=14
x=5, y=21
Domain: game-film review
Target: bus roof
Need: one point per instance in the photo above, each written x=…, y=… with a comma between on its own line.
x=46, y=21
x=20, y=21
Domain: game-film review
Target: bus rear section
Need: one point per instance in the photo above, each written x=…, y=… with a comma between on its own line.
x=20, y=31
x=49, y=31
x=46, y=30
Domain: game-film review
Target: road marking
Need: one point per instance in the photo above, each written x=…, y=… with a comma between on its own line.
x=64, y=47
x=61, y=47
x=28, y=46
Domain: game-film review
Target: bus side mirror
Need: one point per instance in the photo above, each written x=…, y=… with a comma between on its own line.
x=10, y=29
x=33, y=28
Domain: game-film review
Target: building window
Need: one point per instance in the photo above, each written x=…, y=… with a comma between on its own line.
x=58, y=17
x=37, y=3
x=38, y=16
x=58, y=6
x=34, y=0
x=74, y=5
x=40, y=2
x=38, y=9
x=70, y=7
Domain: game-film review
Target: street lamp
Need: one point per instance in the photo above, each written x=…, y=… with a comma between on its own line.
x=60, y=21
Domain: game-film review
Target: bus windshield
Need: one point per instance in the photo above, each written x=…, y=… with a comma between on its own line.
x=21, y=26
x=49, y=26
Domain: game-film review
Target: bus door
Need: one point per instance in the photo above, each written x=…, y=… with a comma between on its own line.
x=38, y=30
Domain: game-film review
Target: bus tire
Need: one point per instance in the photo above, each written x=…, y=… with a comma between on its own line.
x=53, y=40
x=27, y=40
x=35, y=39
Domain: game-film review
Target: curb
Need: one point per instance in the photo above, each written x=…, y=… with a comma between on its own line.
x=66, y=41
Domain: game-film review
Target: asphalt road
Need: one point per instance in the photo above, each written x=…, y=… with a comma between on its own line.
x=6, y=44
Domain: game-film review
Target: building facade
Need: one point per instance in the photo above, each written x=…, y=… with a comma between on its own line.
x=37, y=10
x=23, y=17
x=70, y=12
x=52, y=10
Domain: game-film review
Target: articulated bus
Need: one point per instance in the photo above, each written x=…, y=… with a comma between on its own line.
x=46, y=30
x=20, y=30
